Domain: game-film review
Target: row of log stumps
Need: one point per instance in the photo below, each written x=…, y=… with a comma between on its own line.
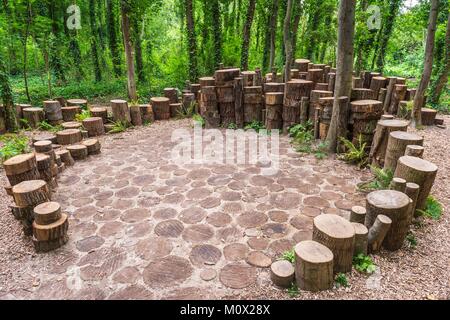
x=33, y=177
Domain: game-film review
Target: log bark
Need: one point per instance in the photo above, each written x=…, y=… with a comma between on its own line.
x=93, y=146
x=53, y=231
x=395, y=205
x=135, y=115
x=70, y=113
x=363, y=94
x=226, y=76
x=71, y=125
x=161, y=108
x=53, y=112
x=315, y=97
x=414, y=151
x=253, y=104
x=398, y=95
x=47, y=213
x=120, y=111
x=66, y=157
x=428, y=116
x=338, y=235
x=294, y=91
x=302, y=65
x=398, y=184
x=361, y=238
x=378, y=232
x=207, y=82
x=78, y=151
x=175, y=109
x=100, y=112
x=419, y=171
x=304, y=109
x=239, y=84
x=313, y=266
x=31, y=193
x=274, y=87
x=392, y=81
x=274, y=110
x=21, y=168
x=94, y=126
x=282, y=273
x=358, y=214
x=315, y=75
x=171, y=94
x=381, y=138
x=83, y=103
x=33, y=116
x=396, y=147
x=46, y=246
x=69, y=136
x=376, y=84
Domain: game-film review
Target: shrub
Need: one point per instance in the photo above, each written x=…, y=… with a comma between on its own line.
x=433, y=209
x=381, y=181
x=45, y=126
x=199, y=119
x=255, y=125
x=13, y=145
x=341, y=280
x=85, y=114
x=364, y=264
x=118, y=127
x=355, y=154
x=289, y=256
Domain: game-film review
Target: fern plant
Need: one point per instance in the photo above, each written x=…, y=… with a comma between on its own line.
x=341, y=280
x=118, y=127
x=255, y=125
x=85, y=114
x=187, y=112
x=433, y=209
x=289, y=256
x=382, y=180
x=199, y=119
x=355, y=154
x=45, y=126
x=13, y=145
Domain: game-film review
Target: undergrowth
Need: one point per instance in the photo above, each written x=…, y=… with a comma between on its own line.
x=354, y=153
x=341, y=280
x=199, y=119
x=411, y=240
x=289, y=256
x=303, y=140
x=293, y=290
x=119, y=126
x=382, y=180
x=364, y=264
x=45, y=126
x=255, y=125
x=85, y=114
x=433, y=209
x=12, y=145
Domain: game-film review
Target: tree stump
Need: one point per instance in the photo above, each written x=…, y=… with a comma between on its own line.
x=282, y=273
x=313, y=266
x=331, y=82
x=100, y=112
x=398, y=184
x=135, y=115
x=419, y=171
x=382, y=96
x=363, y=94
x=387, y=117
x=357, y=83
x=209, y=107
x=45, y=167
x=69, y=136
x=412, y=191
x=414, y=151
x=226, y=76
x=315, y=97
x=326, y=113
x=253, y=104
x=52, y=231
x=381, y=138
x=376, y=84
x=361, y=238
x=66, y=157
x=396, y=147
x=226, y=103
x=72, y=125
x=31, y=193
x=53, y=112
x=78, y=151
x=171, y=94
x=322, y=87
x=358, y=214
x=302, y=65
x=47, y=213
x=294, y=91
x=428, y=116
x=93, y=146
x=161, y=108
x=21, y=168
x=378, y=232
x=410, y=94
x=274, y=110
x=315, y=75
x=395, y=205
x=33, y=116
x=83, y=103
x=247, y=78
x=274, y=87
x=70, y=113
x=364, y=115
x=19, y=109
x=239, y=101
x=120, y=111
x=391, y=82
x=45, y=136
x=304, y=110
x=94, y=126
x=207, y=82
x=47, y=246
x=338, y=235
x=175, y=109
x=397, y=95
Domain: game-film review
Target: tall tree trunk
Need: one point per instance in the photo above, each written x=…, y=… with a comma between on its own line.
x=94, y=50
x=419, y=98
x=192, y=41
x=346, y=32
x=112, y=35
x=442, y=79
x=138, y=50
x=25, y=51
x=8, y=102
x=217, y=32
x=273, y=32
x=55, y=44
x=129, y=54
x=297, y=16
x=394, y=6
x=288, y=40
x=247, y=33
x=313, y=25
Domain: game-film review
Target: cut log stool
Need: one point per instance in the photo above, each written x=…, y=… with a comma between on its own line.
x=21, y=168
x=120, y=111
x=70, y=113
x=94, y=126
x=428, y=116
x=33, y=116
x=53, y=113
x=100, y=112
x=338, y=235
x=378, y=232
x=161, y=108
x=358, y=214
x=171, y=94
x=71, y=125
x=395, y=205
x=78, y=151
x=69, y=136
x=78, y=102
x=361, y=238
x=414, y=151
x=274, y=110
x=135, y=114
x=313, y=266
x=396, y=147
x=146, y=113
x=93, y=146
x=66, y=157
x=49, y=227
x=282, y=273
x=419, y=171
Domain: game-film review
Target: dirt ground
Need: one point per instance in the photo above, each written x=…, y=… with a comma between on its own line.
x=142, y=227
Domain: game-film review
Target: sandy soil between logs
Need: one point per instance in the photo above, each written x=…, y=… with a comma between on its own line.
x=130, y=223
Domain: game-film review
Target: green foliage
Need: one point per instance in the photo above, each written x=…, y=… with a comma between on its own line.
x=232, y=126
x=119, y=126
x=289, y=256
x=341, y=280
x=255, y=125
x=12, y=145
x=303, y=140
x=188, y=112
x=433, y=209
x=293, y=291
x=405, y=112
x=364, y=264
x=199, y=119
x=321, y=150
x=411, y=240
x=381, y=181
x=85, y=114
x=24, y=124
x=45, y=126
x=354, y=154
